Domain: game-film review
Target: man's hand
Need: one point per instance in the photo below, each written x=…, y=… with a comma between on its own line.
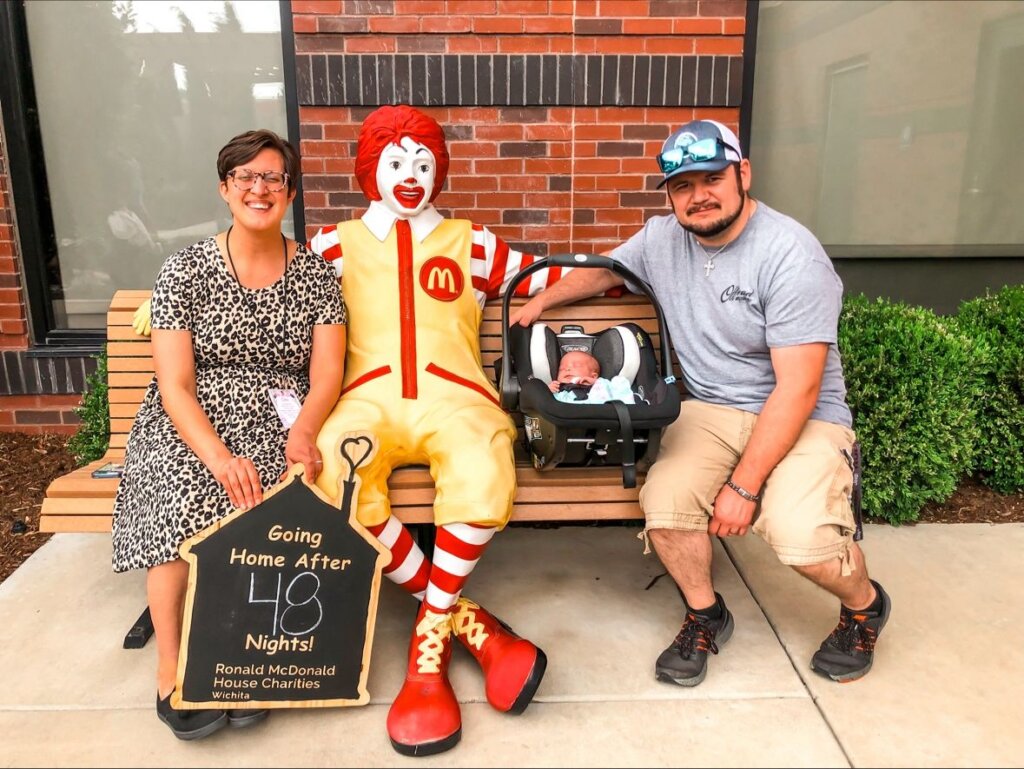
x=732, y=514
x=141, y=321
x=527, y=314
x=301, y=447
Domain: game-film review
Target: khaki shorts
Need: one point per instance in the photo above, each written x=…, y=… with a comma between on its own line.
x=805, y=514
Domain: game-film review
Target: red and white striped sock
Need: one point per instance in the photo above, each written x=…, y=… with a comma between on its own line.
x=409, y=568
x=457, y=549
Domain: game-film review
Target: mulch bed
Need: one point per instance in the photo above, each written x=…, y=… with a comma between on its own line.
x=975, y=502
x=30, y=462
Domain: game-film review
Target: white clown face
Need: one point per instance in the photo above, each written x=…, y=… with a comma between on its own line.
x=405, y=177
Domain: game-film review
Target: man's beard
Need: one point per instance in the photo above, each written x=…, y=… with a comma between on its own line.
x=718, y=226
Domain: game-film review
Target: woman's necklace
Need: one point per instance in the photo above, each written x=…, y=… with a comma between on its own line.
x=283, y=349
x=709, y=265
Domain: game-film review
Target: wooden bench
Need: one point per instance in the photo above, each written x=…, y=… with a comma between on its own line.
x=77, y=502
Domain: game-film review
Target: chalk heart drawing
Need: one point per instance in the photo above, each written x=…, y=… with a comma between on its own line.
x=356, y=450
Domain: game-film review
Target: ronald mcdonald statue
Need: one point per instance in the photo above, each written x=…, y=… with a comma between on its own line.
x=414, y=284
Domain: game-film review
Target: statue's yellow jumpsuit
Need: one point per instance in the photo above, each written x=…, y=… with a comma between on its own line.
x=413, y=373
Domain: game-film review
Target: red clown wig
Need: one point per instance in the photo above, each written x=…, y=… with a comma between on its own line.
x=389, y=125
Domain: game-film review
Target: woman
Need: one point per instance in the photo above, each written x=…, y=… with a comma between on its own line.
x=233, y=317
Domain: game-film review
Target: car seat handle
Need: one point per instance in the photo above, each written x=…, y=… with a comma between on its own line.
x=582, y=260
x=508, y=389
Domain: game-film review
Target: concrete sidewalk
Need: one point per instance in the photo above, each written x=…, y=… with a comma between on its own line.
x=945, y=689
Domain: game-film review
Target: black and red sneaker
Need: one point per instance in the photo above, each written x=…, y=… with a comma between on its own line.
x=848, y=652
x=685, y=661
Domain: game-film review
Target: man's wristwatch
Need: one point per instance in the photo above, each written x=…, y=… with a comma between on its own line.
x=742, y=491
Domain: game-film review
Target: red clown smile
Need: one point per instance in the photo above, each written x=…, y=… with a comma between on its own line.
x=408, y=197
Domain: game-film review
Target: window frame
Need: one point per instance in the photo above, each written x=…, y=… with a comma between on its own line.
x=29, y=195
x=948, y=253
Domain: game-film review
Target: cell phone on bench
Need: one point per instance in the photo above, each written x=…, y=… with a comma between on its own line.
x=108, y=470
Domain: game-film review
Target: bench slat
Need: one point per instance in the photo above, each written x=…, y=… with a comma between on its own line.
x=87, y=524
x=124, y=410
x=132, y=395
x=412, y=484
x=608, y=511
x=134, y=349
x=128, y=379
x=133, y=364
x=120, y=318
x=124, y=333
x=121, y=425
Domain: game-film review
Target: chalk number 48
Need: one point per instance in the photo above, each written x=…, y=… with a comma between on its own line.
x=302, y=612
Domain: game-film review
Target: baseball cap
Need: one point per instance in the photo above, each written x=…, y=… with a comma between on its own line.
x=700, y=145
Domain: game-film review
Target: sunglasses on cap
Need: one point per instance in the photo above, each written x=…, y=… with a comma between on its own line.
x=697, y=152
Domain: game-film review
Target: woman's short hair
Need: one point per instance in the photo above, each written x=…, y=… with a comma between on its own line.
x=246, y=146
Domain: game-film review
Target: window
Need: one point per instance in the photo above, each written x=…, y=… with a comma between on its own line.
x=890, y=128
x=134, y=101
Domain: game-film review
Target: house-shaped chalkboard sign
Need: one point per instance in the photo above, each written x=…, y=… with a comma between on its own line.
x=282, y=600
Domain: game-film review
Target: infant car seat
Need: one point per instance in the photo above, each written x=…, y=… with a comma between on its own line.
x=580, y=434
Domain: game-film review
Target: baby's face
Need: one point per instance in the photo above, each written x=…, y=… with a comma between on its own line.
x=578, y=368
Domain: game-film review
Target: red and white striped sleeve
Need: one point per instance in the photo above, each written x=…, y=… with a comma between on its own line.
x=494, y=264
x=327, y=244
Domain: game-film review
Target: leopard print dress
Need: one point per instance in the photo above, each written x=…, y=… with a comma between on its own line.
x=245, y=341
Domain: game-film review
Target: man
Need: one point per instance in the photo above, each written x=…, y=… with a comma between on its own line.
x=414, y=285
x=763, y=440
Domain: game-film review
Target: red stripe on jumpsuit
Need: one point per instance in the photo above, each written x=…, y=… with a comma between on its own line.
x=406, y=300
x=368, y=376
x=433, y=368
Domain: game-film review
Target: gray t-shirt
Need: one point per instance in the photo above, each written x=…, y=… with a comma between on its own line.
x=774, y=286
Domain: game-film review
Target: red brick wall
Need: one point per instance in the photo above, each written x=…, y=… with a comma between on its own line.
x=39, y=413
x=549, y=178
x=13, y=326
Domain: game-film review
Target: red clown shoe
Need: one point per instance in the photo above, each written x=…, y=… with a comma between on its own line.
x=424, y=718
x=513, y=667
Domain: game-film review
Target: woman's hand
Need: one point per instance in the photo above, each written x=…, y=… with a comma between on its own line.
x=239, y=478
x=301, y=447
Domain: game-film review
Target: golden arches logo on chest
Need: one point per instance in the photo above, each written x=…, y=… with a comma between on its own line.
x=441, y=279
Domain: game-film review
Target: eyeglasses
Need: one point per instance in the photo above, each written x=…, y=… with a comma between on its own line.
x=697, y=152
x=245, y=180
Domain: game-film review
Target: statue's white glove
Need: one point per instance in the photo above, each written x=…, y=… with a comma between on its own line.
x=141, y=321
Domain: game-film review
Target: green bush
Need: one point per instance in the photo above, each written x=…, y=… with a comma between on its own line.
x=998, y=321
x=90, y=441
x=914, y=387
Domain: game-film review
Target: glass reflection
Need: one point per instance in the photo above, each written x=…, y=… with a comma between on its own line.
x=892, y=123
x=135, y=99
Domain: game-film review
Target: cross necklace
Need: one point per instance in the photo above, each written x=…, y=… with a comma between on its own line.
x=709, y=265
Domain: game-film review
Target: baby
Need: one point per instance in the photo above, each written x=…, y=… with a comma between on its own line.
x=576, y=368
x=579, y=380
